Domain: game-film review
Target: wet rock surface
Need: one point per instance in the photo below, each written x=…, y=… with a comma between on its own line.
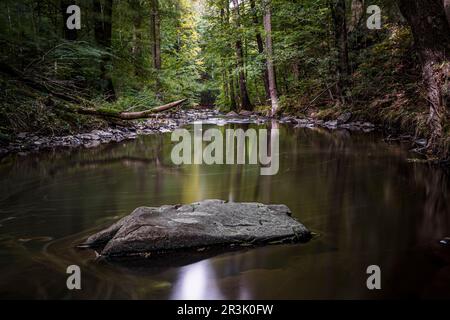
x=151, y=231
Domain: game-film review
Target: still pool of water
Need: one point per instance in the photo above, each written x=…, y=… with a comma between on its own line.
x=364, y=201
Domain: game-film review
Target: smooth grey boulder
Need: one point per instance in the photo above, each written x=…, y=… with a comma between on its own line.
x=208, y=223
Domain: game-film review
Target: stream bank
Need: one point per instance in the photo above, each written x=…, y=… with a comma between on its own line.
x=25, y=143
x=29, y=142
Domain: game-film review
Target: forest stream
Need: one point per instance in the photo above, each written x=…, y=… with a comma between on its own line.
x=364, y=199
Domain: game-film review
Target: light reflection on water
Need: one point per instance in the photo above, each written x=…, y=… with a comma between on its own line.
x=196, y=282
x=367, y=204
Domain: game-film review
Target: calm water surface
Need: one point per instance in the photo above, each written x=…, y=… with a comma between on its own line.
x=366, y=203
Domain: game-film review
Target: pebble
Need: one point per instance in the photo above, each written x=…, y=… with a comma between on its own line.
x=445, y=241
x=421, y=142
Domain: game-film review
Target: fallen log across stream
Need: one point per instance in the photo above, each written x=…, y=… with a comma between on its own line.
x=129, y=115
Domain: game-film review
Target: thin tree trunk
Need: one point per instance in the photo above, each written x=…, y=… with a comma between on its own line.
x=136, y=49
x=431, y=32
x=233, y=105
x=233, y=97
x=338, y=11
x=155, y=29
x=296, y=71
x=260, y=43
x=103, y=33
x=225, y=89
x=245, y=100
x=357, y=9
x=269, y=55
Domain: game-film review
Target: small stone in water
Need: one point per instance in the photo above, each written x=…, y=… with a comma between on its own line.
x=344, y=118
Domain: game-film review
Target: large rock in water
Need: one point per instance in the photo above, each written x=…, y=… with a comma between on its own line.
x=202, y=224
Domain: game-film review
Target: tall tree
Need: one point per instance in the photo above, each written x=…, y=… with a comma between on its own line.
x=338, y=12
x=269, y=53
x=244, y=97
x=103, y=33
x=155, y=33
x=229, y=85
x=431, y=32
x=260, y=44
x=136, y=48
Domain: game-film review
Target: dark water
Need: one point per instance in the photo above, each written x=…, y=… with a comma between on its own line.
x=364, y=200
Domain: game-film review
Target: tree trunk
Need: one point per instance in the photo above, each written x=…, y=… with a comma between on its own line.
x=233, y=105
x=70, y=35
x=296, y=71
x=245, y=100
x=260, y=43
x=269, y=56
x=357, y=9
x=155, y=30
x=226, y=91
x=136, y=49
x=103, y=33
x=338, y=12
x=228, y=67
x=431, y=32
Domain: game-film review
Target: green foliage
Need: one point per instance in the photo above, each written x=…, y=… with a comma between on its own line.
x=134, y=76
x=32, y=42
x=199, y=60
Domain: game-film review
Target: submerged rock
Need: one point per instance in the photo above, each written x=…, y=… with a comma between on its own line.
x=208, y=223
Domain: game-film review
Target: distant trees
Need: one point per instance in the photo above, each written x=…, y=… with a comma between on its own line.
x=236, y=21
x=269, y=63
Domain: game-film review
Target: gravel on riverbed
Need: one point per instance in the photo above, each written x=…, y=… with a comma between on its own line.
x=24, y=142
